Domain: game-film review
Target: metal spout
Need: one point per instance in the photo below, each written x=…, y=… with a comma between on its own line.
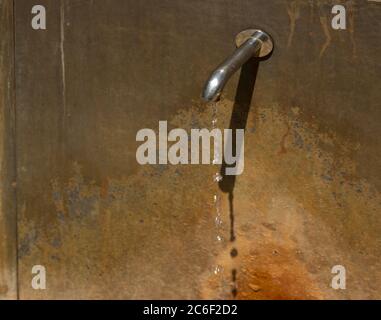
x=251, y=43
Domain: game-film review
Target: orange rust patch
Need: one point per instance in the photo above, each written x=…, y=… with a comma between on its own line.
x=152, y=235
x=275, y=274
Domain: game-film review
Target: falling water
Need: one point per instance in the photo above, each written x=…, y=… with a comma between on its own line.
x=217, y=177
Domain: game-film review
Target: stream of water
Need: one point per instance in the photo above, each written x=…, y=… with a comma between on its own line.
x=218, y=269
x=217, y=201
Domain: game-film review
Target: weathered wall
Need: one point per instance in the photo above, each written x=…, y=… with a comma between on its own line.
x=105, y=227
x=8, y=262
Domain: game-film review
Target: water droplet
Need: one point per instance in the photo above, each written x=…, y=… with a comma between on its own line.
x=218, y=221
x=217, y=177
x=216, y=160
x=218, y=269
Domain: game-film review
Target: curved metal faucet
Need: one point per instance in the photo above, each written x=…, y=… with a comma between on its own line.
x=250, y=43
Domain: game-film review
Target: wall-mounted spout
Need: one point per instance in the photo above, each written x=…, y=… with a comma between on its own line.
x=250, y=43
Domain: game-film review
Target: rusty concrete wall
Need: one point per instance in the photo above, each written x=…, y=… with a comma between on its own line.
x=105, y=227
x=8, y=235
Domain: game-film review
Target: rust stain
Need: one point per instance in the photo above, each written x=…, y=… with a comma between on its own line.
x=293, y=11
x=351, y=27
x=275, y=273
x=151, y=235
x=283, y=148
x=325, y=26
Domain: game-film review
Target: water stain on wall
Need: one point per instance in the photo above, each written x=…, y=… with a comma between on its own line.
x=323, y=10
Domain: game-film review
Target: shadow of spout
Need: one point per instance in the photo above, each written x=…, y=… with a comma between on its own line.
x=238, y=120
x=239, y=115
